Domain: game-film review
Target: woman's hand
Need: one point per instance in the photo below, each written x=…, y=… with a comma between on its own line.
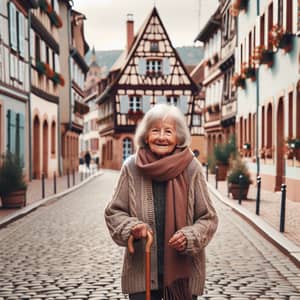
x=140, y=231
x=178, y=241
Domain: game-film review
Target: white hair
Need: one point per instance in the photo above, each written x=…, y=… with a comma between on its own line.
x=162, y=112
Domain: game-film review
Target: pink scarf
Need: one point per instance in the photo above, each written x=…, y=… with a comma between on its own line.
x=177, y=267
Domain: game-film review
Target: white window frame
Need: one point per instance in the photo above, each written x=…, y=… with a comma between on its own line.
x=135, y=103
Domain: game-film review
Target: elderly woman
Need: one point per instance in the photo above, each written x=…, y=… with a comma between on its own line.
x=162, y=189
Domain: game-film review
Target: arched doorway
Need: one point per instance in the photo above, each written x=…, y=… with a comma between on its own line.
x=280, y=145
x=45, y=148
x=36, y=148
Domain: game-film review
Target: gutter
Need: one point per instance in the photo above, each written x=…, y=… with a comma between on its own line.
x=29, y=98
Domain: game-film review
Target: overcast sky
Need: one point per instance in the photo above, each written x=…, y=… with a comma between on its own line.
x=105, y=27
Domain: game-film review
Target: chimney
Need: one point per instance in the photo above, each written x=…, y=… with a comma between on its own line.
x=130, y=33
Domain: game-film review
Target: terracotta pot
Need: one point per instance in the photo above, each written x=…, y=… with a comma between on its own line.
x=234, y=189
x=222, y=171
x=15, y=199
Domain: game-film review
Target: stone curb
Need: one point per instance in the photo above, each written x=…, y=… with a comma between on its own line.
x=29, y=208
x=275, y=237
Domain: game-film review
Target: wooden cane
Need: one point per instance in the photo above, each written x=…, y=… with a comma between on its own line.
x=147, y=260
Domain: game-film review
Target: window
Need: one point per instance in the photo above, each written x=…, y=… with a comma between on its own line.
x=16, y=134
x=135, y=103
x=94, y=144
x=270, y=23
x=172, y=100
x=196, y=119
x=289, y=15
x=127, y=148
x=37, y=48
x=153, y=67
x=53, y=135
x=262, y=30
x=154, y=46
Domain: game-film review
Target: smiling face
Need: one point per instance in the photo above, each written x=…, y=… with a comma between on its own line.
x=162, y=137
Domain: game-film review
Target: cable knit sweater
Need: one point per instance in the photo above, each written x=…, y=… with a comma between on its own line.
x=123, y=212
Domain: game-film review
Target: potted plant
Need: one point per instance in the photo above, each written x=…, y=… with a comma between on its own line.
x=263, y=56
x=238, y=179
x=222, y=154
x=12, y=184
x=238, y=80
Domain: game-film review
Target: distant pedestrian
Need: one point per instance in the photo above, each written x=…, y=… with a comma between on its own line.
x=162, y=190
x=87, y=158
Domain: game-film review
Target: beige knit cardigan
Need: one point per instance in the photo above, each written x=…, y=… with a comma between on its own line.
x=123, y=212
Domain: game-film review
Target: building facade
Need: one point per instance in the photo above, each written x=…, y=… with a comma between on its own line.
x=14, y=79
x=72, y=106
x=45, y=78
x=149, y=71
x=268, y=117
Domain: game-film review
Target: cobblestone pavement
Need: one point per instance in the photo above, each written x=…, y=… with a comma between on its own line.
x=63, y=251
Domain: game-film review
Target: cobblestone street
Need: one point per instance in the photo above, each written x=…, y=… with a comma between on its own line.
x=63, y=251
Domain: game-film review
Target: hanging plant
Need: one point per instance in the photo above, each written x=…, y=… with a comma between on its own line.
x=58, y=79
x=237, y=6
x=263, y=56
x=249, y=71
x=238, y=80
x=40, y=67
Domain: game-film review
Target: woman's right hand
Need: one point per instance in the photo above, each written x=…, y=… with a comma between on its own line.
x=140, y=230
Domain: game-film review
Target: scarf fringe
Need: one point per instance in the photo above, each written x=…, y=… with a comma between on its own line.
x=178, y=290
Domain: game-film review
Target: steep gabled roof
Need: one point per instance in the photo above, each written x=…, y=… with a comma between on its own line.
x=127, y=55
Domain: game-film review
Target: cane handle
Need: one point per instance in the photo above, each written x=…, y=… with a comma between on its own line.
x=149, y=242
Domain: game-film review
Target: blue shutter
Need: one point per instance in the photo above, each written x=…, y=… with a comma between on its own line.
x=21, y=35
x=124, y=104
x=146, y=103
x=183, y=104
x=160, y=99
x=142, y=66
x=21, y=137
x=166, y=66
x=13, y=26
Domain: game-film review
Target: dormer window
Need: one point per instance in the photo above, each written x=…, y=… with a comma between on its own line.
x=172, y=100
x=153, y=67
x=154, y=46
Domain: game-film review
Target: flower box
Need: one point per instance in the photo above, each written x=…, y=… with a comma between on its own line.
x=135, y=115
x=286, y=42
x=238, y=81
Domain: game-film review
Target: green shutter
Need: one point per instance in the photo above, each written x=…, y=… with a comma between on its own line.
x=8, y=117
x=13, y=132
x=21, y=135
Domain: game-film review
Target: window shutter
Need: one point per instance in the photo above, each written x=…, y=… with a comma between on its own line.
x=43, y=51
x=160, y=99
x=146, y=103
x=183, y=104
x=166, y=66
x=32, y=43
x=13, y=26
x=11, y=66
x=142, y=66
x=11, y=131
x=56, y=62
x=21, y=71
x=124, y=104
x=21, y=35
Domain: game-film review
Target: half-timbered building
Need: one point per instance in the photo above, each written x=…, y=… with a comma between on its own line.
x=149, y=71
x=14, y=78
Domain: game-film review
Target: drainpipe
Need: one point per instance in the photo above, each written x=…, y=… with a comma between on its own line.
x=29, y=97
x=257, y=109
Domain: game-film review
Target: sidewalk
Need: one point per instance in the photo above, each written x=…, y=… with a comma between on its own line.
x=34, y=199
x=268, y=221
